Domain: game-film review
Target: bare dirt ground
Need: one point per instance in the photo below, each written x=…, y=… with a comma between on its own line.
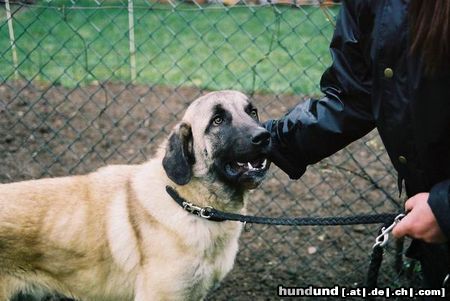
x=54, y=131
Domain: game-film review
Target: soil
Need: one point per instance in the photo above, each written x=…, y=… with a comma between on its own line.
x=48, y=131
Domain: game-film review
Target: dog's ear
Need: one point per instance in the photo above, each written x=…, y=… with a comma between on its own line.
x=179, y=156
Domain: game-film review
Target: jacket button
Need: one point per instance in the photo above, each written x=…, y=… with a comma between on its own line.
x=402, y=160
x=388, y=73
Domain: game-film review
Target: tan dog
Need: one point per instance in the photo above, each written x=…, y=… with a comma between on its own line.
x=116, y=234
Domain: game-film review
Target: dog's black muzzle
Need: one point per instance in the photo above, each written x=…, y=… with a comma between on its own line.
x=243, y=161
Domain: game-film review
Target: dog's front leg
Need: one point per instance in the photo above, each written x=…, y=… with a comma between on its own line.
x=156, y=287
x=141, y=292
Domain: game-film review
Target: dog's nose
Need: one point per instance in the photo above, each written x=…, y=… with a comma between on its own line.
x=261, y=137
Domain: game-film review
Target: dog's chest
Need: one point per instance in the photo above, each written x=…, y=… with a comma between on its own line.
x=218, y=254
x=204, y=257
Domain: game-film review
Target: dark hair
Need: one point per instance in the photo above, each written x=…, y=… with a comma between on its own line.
x=430, y=33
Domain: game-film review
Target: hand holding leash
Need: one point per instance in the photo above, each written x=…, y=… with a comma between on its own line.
x=420, y=223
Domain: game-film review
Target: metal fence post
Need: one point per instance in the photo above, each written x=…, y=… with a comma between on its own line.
x=12, y=39
x=132, y=41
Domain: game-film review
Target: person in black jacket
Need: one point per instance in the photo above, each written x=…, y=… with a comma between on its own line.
x=390, y=71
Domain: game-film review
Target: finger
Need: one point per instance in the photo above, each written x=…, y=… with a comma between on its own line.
x=410, y=203
x=408, y=206
x=403, y=228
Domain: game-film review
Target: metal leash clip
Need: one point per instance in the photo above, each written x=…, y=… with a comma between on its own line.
x=383, y=238
x=204, y=212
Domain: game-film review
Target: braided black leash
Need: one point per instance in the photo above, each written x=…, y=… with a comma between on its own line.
x=304, y=221
x=218, y=216
x=374, y=266
x=376, y=257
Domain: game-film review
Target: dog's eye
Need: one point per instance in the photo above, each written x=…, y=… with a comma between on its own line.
x=217, y=120
x=254, y=113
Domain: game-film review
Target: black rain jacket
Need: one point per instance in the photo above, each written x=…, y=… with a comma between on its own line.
x=374, y=82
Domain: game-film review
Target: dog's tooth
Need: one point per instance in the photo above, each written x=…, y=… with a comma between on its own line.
x=263, y=165
x=250, y=166
x=240, y=164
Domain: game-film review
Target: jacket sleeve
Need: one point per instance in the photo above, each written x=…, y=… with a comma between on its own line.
x=439, y=201
x=318, y=128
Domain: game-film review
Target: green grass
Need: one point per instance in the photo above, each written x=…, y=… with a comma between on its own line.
x=209, y=48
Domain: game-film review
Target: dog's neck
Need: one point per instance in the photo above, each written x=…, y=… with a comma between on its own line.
x=212, y=194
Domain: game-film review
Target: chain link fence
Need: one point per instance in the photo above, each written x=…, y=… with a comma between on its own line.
x=89, y=83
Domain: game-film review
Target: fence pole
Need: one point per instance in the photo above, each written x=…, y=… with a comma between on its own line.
x=132, y=41
x=12, y=39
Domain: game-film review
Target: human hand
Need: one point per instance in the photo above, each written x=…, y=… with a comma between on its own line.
x=291, y=163
x=420, y=222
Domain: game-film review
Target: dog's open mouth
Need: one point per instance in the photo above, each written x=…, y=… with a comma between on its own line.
x=253, y=166
x=248, y=173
